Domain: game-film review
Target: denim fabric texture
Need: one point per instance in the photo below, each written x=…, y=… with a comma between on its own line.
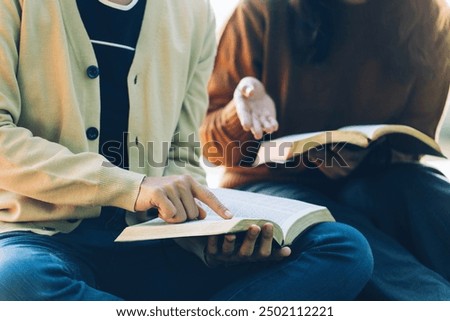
x=330, y=261
x=403, y=210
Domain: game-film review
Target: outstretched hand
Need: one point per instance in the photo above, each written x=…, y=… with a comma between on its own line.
x=256, y=247
x=255, y=108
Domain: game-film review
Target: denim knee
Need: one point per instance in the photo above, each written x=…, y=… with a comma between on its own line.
x=347, y=246
x=36, y=273
x=33, y=273
x=19, y=270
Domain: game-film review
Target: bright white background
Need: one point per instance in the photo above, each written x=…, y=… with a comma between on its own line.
x=223, y=9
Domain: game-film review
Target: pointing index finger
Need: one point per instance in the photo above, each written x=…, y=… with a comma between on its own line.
x=206, y=196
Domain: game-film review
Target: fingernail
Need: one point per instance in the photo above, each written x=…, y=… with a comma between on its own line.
x=287, y=251
x=254, y=232
x=229, y=214
x=248, y=91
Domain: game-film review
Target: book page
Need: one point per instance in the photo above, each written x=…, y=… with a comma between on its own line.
x=282, y=211
x=403, y=138
x=297, y=137
x=279, y=150
x=284, y=148
x=158, y=229
x=368, y=130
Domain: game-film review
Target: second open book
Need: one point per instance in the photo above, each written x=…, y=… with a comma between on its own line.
x=400, y=137
x=289, y=217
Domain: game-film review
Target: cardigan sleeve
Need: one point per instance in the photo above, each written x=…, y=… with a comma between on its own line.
x=34, y=167
x=185, y=152
x=240, y=54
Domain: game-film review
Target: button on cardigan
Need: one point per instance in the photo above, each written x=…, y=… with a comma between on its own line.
x=50, y=172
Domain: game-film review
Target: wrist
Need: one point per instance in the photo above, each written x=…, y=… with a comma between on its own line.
x=233, y=124
x=138, y=200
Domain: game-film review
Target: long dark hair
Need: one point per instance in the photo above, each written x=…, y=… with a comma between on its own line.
x=413, y=37
x=312, y=29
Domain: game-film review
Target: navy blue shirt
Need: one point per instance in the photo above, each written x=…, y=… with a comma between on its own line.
x=114, y=33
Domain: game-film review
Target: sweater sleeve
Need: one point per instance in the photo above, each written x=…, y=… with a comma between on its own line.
x=240, y=54
x=429, y=94
x=37, y=168
x=426, y=104
x=185, y=152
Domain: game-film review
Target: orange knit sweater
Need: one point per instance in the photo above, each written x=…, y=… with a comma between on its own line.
x=352, y=86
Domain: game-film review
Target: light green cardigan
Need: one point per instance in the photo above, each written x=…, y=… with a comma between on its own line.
x=50, y=173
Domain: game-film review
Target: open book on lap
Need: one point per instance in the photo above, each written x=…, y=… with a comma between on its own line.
x=400, y=137
x=289, y=217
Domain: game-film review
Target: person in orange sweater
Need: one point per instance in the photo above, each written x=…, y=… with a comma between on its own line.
x=288, y=67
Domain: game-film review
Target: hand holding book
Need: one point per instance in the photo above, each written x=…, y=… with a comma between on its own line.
x=262, y=219
x=256, y=246
x=336, y=162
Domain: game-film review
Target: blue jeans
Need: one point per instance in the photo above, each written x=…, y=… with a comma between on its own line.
x=404, y=212
x=330, y=261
